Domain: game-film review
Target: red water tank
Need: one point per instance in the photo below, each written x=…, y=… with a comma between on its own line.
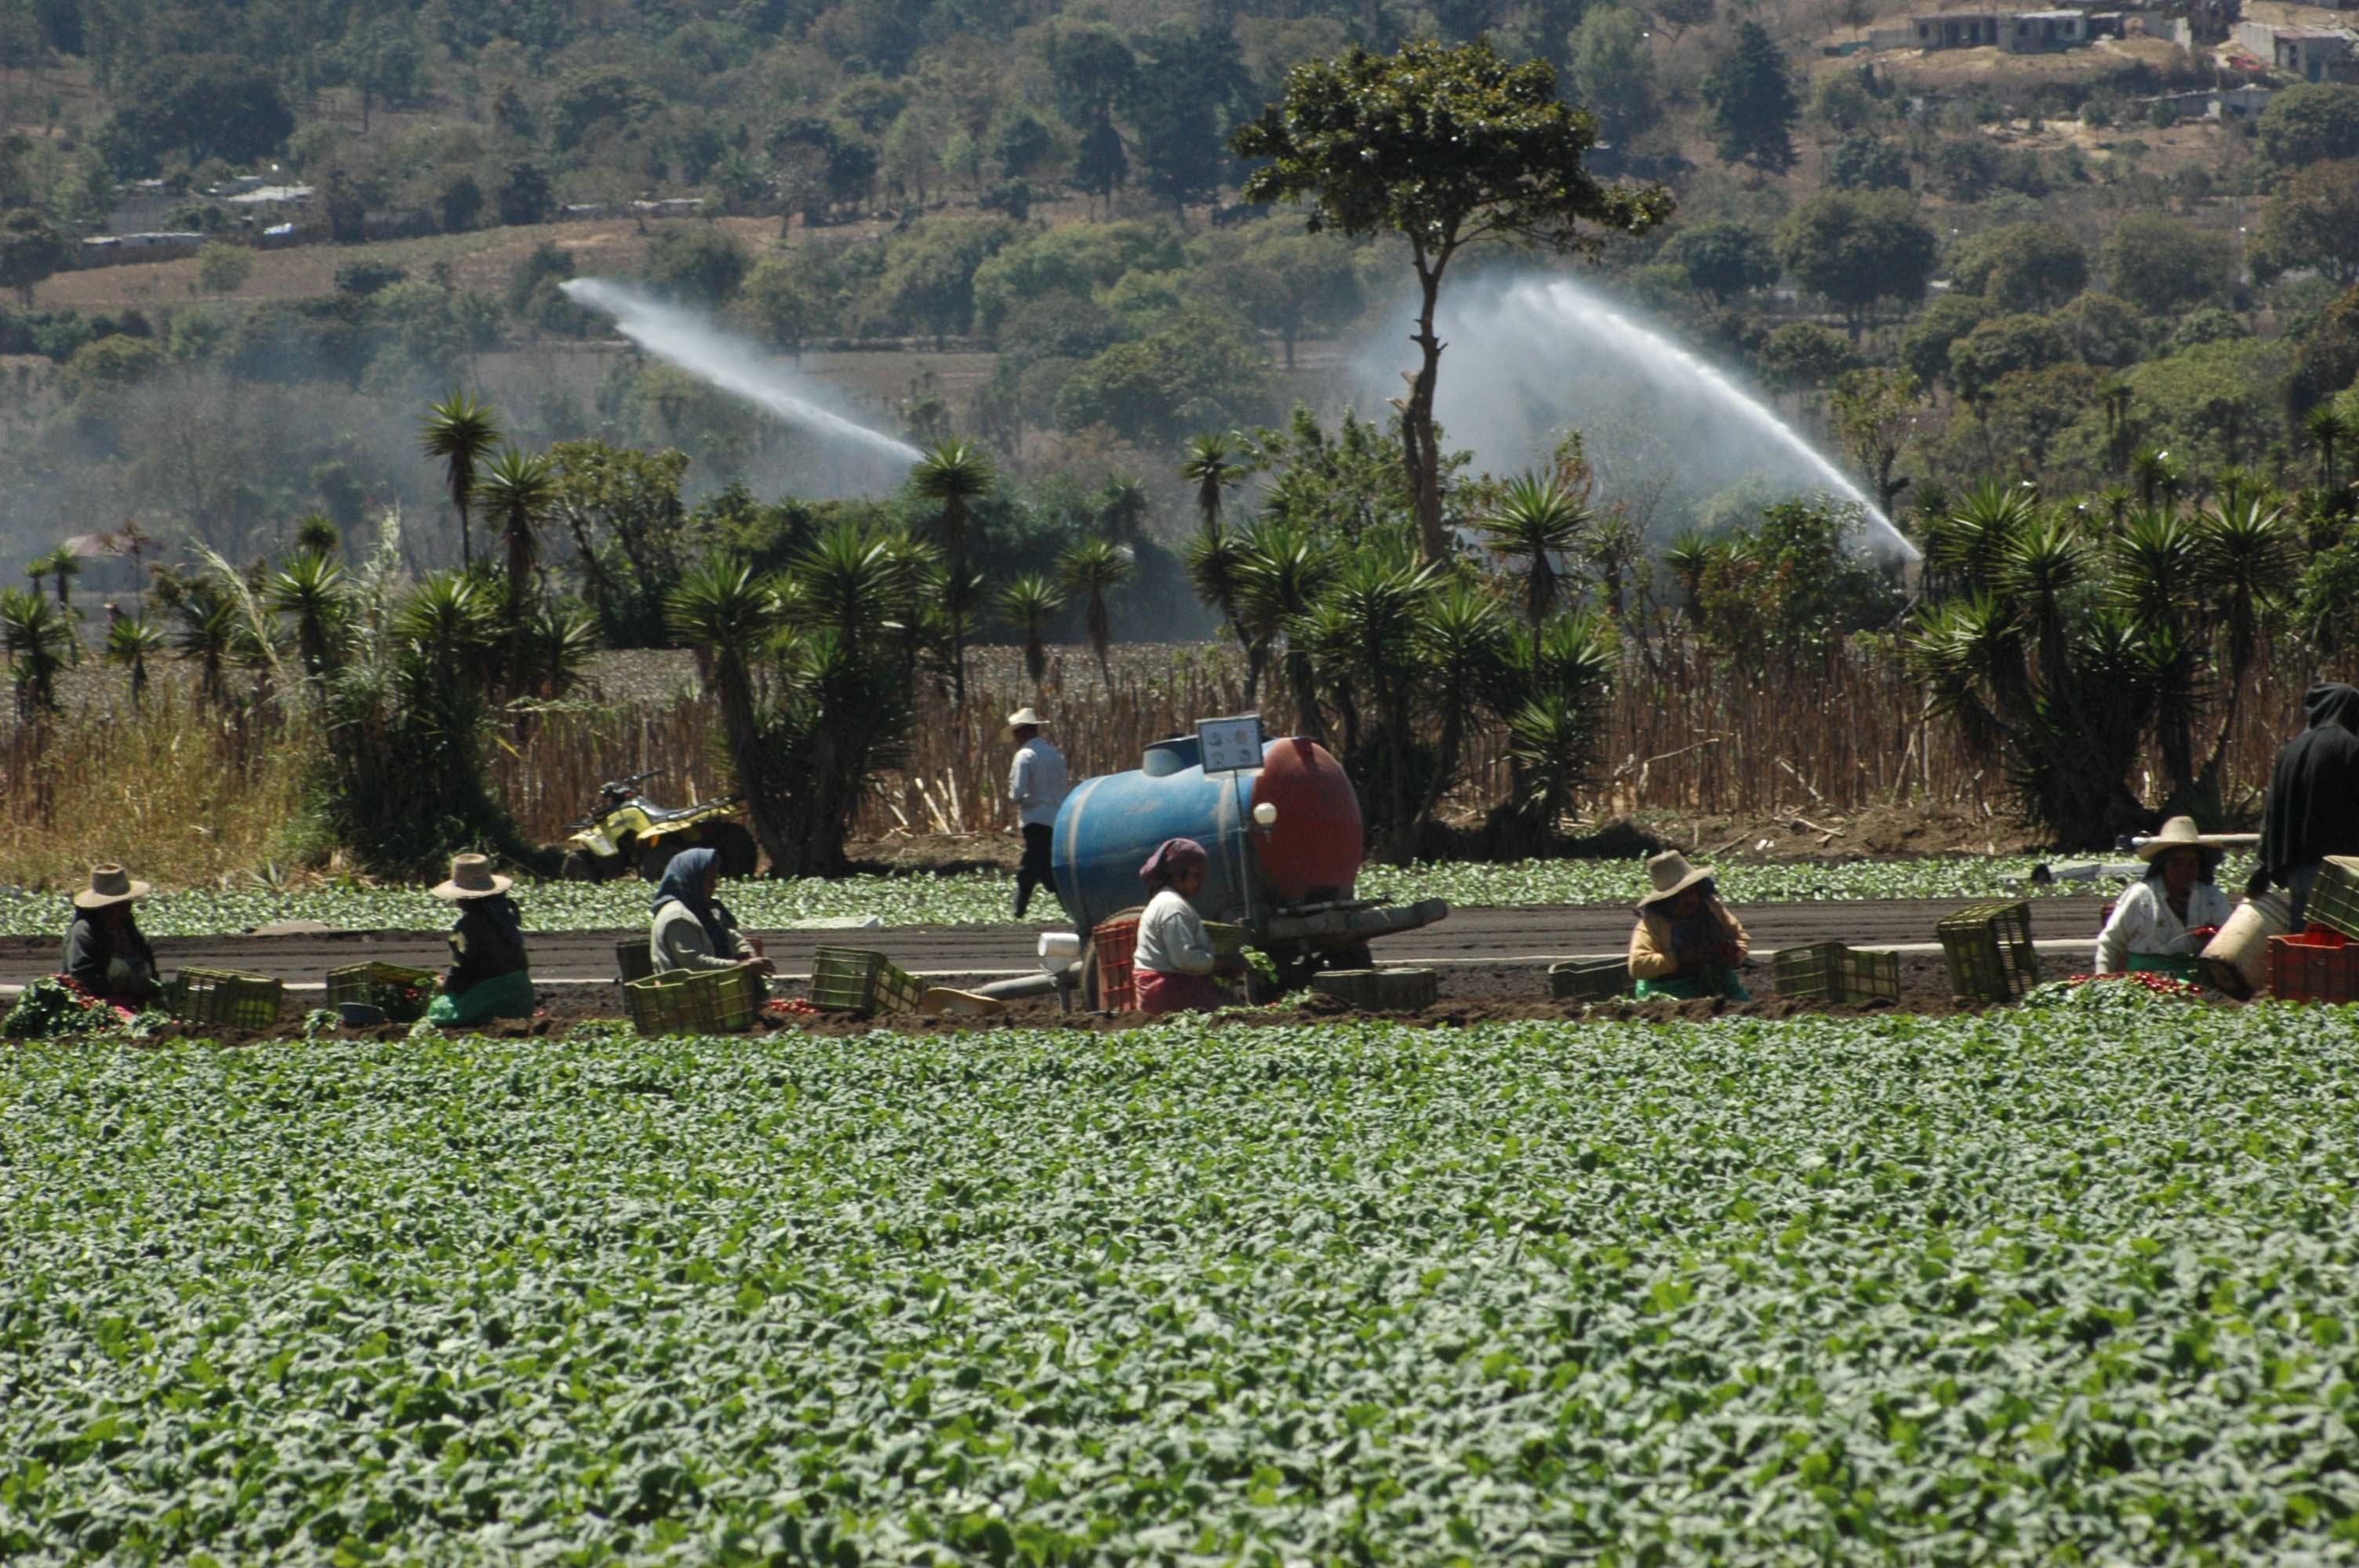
x=1312, y=852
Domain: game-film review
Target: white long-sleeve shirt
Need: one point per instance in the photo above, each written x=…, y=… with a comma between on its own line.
x=2143, y=923
x=1036, y=783
x=1171, y=938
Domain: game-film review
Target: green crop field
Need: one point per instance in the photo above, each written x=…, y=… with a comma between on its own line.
x=2042, y=1286
x=980, y=898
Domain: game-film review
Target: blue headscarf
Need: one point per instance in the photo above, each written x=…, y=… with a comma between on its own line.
x=684, y=880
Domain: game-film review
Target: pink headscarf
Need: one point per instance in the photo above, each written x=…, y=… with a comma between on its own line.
x=1174, y=856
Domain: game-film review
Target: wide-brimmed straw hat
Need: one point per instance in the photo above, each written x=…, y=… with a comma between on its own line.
x=109, y=885
x=1023, y=716
x=2178, y=833
x=1672, y=876
x=472, y=877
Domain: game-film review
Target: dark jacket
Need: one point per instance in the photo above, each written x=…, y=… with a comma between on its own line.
x=2313, y=809
x=90, y=951
x=487, y=942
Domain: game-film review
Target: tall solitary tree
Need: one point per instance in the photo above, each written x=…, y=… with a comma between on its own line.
x=461, y=430
x=956, y=472
x=1443, y=146
x=1749, y=103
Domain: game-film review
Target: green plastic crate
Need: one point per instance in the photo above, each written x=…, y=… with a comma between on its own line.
x=695, y=1001
x=1835, y=972
x=2335, y=901
x=861, y=982
x=1812, y=971
x=387, y=987
x=224, y=997
x=1988, y=947
x=1589, y=980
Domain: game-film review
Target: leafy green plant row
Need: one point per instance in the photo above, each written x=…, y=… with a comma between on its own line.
x=2029, y=1287
x=982, y=898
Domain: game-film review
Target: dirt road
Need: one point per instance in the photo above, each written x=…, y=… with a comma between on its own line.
x=1516, y=936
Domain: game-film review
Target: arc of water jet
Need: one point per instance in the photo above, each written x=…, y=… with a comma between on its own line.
x=691, y=342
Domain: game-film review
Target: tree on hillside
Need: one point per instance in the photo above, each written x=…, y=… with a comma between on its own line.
x=461, y=431
x=1875, y=416
x=1856, y=249
x=2162, y=264
x=1614, y=72
x=1863, y=161
x=524, y=195
x=2313, y=220
x=1188, y=78
x=1291, y=284
x=2310, y=122
x=204, y=106
x=1749, y=103
x=1723, y=258
x=699, y=264
x=2022, y=266
x=1446, y=147
x=29, y=251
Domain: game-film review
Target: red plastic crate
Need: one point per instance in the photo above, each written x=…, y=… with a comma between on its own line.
x=1114, y=941
x=2319, y=965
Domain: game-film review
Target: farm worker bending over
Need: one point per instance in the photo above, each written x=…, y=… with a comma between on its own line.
x=2312, y=810
x=106, y=953
x=1036, y=783
x=490, y=975
x=1686, y=943
x=2152, y=925
x=692, y=929
x=1173, y=963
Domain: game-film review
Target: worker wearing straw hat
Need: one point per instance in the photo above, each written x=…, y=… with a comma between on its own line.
x=1686, y=943
x=106, y=954
x=1036, y=783
x=491, y=974
x=2163, y=921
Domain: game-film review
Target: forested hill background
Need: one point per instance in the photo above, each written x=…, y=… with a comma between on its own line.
x=1019, y=222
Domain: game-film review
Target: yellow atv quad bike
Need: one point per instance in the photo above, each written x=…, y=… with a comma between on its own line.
x=629, y=833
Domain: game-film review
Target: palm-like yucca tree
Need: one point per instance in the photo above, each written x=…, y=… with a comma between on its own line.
x=1966, y=545
x=517, y=491
x=1122, y=505
x=461, y=431
x=36, y=635
x=2157, y=561
x=1089, y=570
x=1283, y=573
x=1535, y=521
x=1210, y=464
x=131, y=642
x=60, y=565
x=1466, y=637
x=853, y=581
x=1028, y=604
x=1558, y=696
x=316, y=533
x=206, y=638
x=2329, y=432
x=310, y=590
x=731, y=615
x=2252, y=557
x=450, y=621
x=957, y=472
x=1370, y=620
x=1686, y=557
x=2157, y=474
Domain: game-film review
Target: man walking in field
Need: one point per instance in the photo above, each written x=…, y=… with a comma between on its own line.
x=1036, y=783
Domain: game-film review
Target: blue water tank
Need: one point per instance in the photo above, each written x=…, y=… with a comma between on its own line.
x=1110, y=824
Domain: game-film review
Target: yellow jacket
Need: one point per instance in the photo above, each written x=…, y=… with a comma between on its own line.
x=1650, y=943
